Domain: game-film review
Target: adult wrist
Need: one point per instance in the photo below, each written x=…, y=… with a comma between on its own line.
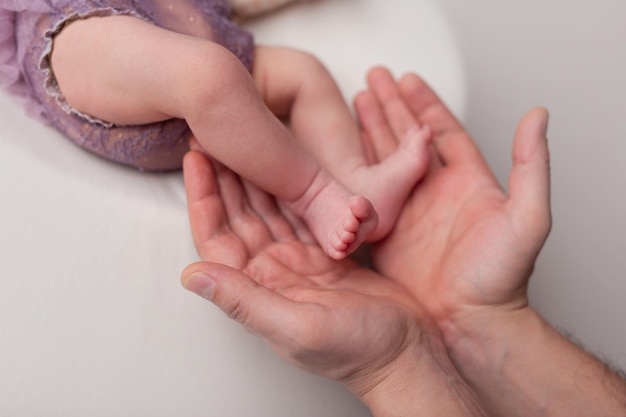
x=421, y=381
x=479, y=331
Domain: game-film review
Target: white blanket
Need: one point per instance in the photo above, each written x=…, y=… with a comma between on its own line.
x=93, y=321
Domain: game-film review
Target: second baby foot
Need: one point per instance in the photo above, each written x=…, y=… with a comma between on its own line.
x=388, y=183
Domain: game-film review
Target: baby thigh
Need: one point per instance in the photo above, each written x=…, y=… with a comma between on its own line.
x=137, y=83
x=121, y=69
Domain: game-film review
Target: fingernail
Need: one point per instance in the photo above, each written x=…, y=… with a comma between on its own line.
x=201, y=284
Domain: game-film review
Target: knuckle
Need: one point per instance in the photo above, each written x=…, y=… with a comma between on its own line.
x=238, y=311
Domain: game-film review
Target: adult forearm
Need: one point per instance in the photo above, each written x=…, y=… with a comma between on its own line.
x=519, y=365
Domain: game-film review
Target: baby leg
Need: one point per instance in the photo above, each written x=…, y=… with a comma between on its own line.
x=296, y=85
x=127, y=71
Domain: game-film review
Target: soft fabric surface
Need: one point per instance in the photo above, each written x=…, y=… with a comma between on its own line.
x=93, y=321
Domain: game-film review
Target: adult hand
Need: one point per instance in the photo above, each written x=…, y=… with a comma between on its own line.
x=331, y=318
x=466, y=249
x=462, y=243
x=265, y=271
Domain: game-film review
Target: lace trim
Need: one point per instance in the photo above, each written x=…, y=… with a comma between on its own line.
x=50, y=83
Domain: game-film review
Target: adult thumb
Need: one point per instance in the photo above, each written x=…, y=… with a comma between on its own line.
x=529, y=181
x=258, y=308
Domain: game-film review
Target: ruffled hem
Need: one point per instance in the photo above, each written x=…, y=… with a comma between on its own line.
x=50, y=82
x=11, y=77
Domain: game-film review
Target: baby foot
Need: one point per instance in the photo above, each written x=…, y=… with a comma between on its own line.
x=358, y=223
x=339, y=220
x=388, y=184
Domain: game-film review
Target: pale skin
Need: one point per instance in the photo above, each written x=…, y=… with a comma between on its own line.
x=130, y=72
x=459, y=251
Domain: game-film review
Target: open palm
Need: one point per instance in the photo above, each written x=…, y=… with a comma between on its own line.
x=332, y=318
x=461, y=242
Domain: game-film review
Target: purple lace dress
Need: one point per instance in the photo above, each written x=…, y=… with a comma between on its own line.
x=27, y=29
